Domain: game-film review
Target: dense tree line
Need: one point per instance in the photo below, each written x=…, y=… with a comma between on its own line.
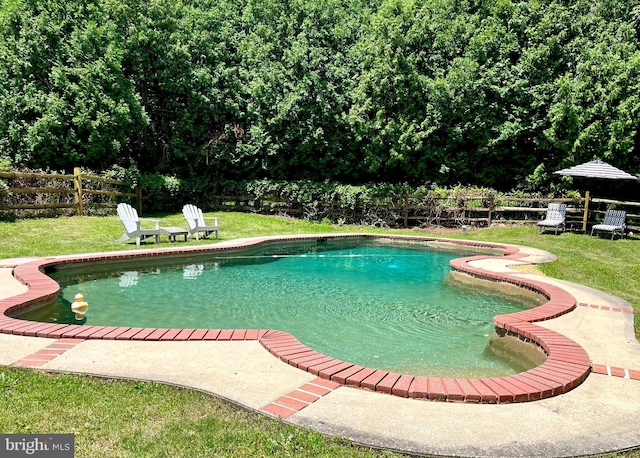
x=493, y=93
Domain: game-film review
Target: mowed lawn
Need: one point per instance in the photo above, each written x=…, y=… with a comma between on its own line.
x=138, y=419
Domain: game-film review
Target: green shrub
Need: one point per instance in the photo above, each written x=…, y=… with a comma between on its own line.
x=161, y=193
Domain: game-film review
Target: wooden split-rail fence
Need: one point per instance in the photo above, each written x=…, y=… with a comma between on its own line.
x=81, y=194
x=450, y=211
x=76, y=193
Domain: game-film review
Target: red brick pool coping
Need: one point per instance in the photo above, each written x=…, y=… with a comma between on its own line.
x=566, y=367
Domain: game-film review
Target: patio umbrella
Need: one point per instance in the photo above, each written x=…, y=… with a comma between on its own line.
x=595, y=169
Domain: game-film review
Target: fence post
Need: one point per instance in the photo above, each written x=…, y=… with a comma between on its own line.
x=77, y=180
x=491, y=204
x=406, y=210
x=585, y=217
x=139, y=197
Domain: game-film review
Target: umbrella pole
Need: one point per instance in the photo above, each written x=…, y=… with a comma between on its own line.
x=585, y=217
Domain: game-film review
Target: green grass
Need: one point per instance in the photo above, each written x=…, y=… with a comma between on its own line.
x=72, y=235
x=112, y=418
x=139, y=419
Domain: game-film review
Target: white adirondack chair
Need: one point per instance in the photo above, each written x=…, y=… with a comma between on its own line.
x=132, y=225
x=196, y=221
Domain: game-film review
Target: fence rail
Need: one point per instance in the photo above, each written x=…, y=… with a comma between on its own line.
x=419, y=210
x=78, y=192
x=74, y=187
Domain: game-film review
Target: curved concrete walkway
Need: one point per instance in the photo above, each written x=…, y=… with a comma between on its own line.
x=598, y=416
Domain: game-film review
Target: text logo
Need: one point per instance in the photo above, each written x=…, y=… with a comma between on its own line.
x=36, y=445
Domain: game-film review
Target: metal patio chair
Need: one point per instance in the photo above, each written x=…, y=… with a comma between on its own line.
x=555, y=218
x=614, y=222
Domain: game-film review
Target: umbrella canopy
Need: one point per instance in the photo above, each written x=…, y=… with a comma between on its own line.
x=597, y=169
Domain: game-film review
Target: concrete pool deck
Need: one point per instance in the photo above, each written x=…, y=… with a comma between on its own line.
x=599, y=415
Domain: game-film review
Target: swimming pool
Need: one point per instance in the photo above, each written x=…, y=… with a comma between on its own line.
x=566, y=366
x=377, y=303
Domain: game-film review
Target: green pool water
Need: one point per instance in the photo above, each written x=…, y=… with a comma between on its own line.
x=381, y=305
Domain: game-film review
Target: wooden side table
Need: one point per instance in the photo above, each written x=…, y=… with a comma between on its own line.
x=172, y=232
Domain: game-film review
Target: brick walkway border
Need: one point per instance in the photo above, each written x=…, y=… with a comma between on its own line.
x=566, y=367
x=298, y=399
x=48, y=353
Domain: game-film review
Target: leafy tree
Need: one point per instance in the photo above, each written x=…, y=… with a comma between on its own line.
x=494, y=93
x=595, y=108
x=300, y=79
x=184, y=62
x=66, y=99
